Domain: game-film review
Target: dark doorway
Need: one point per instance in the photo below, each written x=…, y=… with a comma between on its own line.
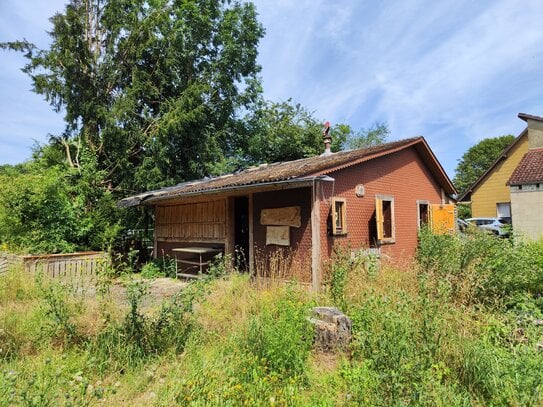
x=423, y=214
x=241, y=235
x=387, y=219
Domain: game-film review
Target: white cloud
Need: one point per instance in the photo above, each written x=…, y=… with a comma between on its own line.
x=455, y=72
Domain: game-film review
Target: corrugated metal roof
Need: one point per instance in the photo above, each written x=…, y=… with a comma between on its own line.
x=290, y=170
x=529, y=170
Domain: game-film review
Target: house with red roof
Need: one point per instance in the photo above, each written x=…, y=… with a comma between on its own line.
x=526, y=183
x=368, y=199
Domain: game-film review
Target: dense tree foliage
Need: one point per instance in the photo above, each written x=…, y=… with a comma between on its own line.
x=54, y=208
x=376, y=134
x=286, y=131
x=151, y=91
x=478, y=159
x=150, y=88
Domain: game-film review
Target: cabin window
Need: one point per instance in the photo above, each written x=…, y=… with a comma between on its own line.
x=503, y=211
x=384, y=217
x=423, y=211
x=339, y=216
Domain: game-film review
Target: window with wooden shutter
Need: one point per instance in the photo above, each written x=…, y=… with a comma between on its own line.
x=384, y=218
x=339, y=216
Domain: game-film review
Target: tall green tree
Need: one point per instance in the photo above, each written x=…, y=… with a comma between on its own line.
x=151, y=92
x=284, y=131
x=287, y=131
x=375, y=134
x=478, y=159
x=151, y=88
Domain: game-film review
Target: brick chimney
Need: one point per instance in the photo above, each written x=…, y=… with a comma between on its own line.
x=327, y=139
x=535, y=130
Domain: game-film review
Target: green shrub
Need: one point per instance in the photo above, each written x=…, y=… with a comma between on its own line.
x=151, y=270
x=59, y=311
x=263, y=361
x=280, y=337
x=399, y=348
x=482, y=268
x=139, y=337
x=339, y=268
x=501, y=375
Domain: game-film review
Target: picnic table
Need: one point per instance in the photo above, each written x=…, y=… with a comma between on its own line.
x=200, y=258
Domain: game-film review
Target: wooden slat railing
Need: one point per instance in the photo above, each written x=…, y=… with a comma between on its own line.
x=69, y=266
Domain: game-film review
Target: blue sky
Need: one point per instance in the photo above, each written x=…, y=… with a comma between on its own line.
x=452, y=71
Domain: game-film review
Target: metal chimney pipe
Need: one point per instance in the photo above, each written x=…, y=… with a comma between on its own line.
x=327, y=139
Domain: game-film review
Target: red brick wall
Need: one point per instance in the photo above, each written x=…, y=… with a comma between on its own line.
x=401, y=175
x=300, y=238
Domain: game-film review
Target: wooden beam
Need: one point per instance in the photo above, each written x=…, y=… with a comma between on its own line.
x=189, y=240
x=251, y=236
x=230, y=227
x=316, y=237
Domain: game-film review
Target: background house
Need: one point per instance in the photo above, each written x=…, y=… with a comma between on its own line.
x=526, y=183
x=489, y=196
x=512, y=188
x=375, y=197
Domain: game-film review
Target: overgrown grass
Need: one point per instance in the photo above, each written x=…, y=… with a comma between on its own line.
x=458, y=328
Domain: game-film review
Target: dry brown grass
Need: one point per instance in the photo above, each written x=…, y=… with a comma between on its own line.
x=387, y=281
x=282, y=265
x=228, y=305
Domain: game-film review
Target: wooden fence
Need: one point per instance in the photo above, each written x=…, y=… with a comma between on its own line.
x=8, y=260
x=71, y=266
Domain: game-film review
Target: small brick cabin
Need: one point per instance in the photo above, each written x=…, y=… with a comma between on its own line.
x=369, y=198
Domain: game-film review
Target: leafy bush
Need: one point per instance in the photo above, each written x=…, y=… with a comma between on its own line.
x=151, y=270
x=280, y=337
x=502, y=372
x=344, y=269
x=36, y=213
x=395, y=346
x=139, y=337
x=48, y=207
x=481, y=268
x=59, y=313
x=339, y=268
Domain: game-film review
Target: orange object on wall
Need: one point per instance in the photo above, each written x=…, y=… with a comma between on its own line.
x=442, y=218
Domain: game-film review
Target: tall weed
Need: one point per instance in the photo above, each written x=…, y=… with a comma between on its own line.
x=139, y=337
x=60, y=309
x=481, y=268
x=280, y=336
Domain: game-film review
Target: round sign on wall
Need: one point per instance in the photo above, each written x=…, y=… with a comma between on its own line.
x=360, y=190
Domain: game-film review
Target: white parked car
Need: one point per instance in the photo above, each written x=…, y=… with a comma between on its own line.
x=493, y=225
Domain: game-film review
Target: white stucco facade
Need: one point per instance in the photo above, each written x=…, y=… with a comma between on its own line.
x=527, y=210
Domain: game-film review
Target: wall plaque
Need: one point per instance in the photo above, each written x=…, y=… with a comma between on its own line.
x=360, y=191
x=279, y=235
x=287, y=216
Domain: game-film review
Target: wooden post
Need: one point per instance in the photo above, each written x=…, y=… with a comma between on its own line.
x=251, y=237
x=315, y=236
x=229, y=225
x=155, y=240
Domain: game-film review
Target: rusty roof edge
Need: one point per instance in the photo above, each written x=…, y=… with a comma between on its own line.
x=502, y=156
x=417, y=140
x=293, y=183
x=367, y=157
